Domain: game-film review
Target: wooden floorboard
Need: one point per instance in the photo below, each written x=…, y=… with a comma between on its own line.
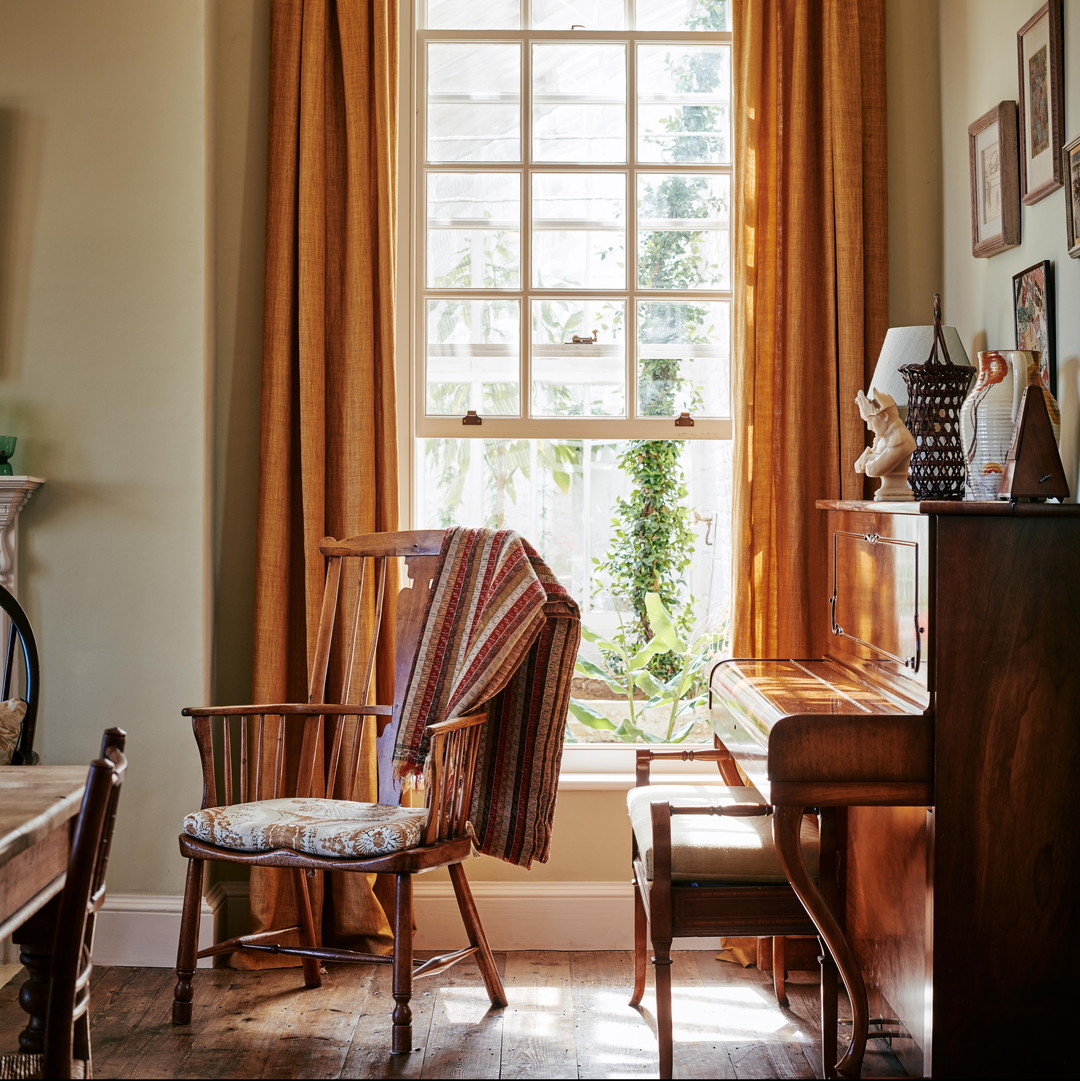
x=568, y=1017
x=538, y=1031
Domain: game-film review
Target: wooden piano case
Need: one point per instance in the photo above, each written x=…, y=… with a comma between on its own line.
x=964, y=914
x=943, y=716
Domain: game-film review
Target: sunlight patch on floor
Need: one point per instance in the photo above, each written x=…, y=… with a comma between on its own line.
x=615, y=1035
x=729, y=1015
x=463, y=1005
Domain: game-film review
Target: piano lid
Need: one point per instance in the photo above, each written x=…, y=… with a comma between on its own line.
x=767, y=690
x=814, y=730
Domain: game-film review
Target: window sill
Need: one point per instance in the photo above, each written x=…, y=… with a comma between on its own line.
x=600, y=767
x=624, y=781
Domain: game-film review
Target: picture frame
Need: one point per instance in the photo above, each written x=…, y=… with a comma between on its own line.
x=1070, y=166
x=995, y=189
x=1041, y=100
x=1034, y=317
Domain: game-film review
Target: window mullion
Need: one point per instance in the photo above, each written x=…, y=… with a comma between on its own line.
x=631, y=232
x=525, y=246
x=420, y=249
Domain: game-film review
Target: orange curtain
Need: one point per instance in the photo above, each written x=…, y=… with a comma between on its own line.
x=328, y=442
x=811, y=297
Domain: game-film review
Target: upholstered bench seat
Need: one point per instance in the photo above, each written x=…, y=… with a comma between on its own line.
x=317, y=827
x=713, y=848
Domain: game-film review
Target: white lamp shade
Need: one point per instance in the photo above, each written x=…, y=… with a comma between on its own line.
x=910, y=345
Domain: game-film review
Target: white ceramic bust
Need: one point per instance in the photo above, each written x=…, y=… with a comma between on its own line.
x=889, y=456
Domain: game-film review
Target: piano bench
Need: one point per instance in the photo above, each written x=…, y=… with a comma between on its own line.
x=704, y=864
x=720, y=848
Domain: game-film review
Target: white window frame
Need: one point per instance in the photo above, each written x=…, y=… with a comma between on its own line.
x=592, y=766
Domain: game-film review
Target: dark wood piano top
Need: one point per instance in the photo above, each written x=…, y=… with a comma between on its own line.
x=813, y=732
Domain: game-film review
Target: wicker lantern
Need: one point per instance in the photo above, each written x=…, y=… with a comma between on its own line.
x=935, y=392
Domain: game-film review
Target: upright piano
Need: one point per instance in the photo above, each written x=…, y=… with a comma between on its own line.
x=941, y=725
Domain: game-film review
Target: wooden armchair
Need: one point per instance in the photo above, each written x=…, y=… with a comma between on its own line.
x=21, y=681
x=67, y=1027
x=703, y=864
x=261, y=810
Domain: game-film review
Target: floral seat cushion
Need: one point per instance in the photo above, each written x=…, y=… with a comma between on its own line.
x=317, y=827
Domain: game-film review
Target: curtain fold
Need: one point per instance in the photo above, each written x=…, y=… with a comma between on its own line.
x=811, y=297
x=328, y=438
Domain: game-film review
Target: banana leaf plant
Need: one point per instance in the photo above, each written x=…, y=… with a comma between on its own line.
x=627, y=674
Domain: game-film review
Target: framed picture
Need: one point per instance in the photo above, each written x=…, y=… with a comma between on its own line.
x=1042, y=102
x=995, y=191
x=1070, y=164
x=1033, y=305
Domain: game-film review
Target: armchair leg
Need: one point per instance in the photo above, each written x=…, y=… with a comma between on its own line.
x=475, y=931
x=641, y=946
x=312, y=971
x=662, y=966
x=401, y=1039
x=189, y=944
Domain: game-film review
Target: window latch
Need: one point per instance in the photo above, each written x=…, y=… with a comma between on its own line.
x=471, y=418
x=580, y=339
x=684, y=420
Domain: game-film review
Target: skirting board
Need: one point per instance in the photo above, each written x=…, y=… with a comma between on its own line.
x=140, y=930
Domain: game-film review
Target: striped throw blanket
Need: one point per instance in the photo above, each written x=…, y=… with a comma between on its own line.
x=499, y=632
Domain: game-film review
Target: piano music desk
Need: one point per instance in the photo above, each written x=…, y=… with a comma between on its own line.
x=944, y=715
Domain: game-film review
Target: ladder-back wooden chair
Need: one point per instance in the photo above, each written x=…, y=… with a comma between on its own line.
x=67, y=1025
x=703, y=864
x=21, y=682
x=261, y=809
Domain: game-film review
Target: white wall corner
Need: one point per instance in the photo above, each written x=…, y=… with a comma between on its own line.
x=143, y=929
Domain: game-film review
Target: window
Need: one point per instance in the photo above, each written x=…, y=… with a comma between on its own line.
x=571, y=273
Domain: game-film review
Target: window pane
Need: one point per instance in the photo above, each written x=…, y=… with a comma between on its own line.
x=683, y=358
x=474, y=93
x=683, y=98
x=683, y=231
x=545, y=489
x=579, y=230
x=474, y=230
x=578, y=380
x=683, y=15
x=561, y=495
x=472, y=356
x=473, y=15
x=579, y=103
x=591, y=14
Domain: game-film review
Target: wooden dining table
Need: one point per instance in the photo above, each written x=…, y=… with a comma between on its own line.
x=38, y=806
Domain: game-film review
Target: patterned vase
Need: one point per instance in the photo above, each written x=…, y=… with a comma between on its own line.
x=989, y=412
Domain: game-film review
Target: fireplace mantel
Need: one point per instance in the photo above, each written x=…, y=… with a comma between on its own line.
x=14, y=492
